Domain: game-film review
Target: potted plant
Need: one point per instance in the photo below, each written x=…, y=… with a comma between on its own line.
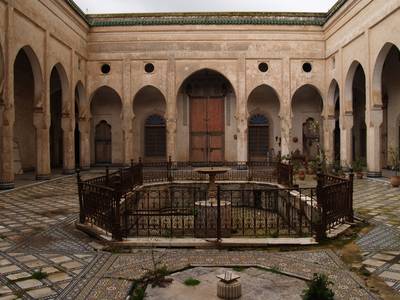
x=302, y=175
x=358, y=166
x=296, y=169
x=394, y=154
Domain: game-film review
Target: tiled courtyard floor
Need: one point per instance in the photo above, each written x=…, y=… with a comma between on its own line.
x=380, y=203
x=37, y=233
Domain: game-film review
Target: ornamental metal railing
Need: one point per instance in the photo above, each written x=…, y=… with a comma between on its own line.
x=118, y=204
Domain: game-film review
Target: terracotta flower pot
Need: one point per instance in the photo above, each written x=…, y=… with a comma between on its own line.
x=302, y=175
x=395, y=181
x=359, y=175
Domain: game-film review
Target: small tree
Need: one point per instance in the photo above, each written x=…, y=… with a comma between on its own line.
x=318, y=289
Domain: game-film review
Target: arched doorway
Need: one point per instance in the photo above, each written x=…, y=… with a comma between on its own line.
x=311, y=139
x=389, y=62
x=206, y=114
x=263, y=107
x=149, y=124
x=155, y=137
x=359, y=132
x=336, y=133
x=26, y=86
x=79, y=100
x=334, y=111
x=103, y=143
x=106, y=145
x=58, y=89
x=258, y=137
x=307, y=107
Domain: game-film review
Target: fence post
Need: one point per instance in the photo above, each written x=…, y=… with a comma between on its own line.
x=290, y=174
x=249, y=171
x=82, y=216
x=218, y=214
x=169, y=169
x=131, y=163
x=321, y=227
x=351, y=209
x=117, y=234
x=107, y=176
x=278, y=172
x=140, y=171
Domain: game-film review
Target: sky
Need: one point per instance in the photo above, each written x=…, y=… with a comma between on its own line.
x=148, y=6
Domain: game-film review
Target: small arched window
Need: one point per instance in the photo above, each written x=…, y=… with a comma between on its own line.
x=258, y=137
x=155, y=136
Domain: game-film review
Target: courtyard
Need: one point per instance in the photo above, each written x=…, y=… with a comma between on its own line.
x=38, y=233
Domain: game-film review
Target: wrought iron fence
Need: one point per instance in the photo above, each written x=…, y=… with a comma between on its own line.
x=176, y=211
x=115, y=203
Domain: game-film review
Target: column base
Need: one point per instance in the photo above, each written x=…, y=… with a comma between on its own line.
x=6, y=185
x=42, y=177
x=84, y=168
x=372, y=174
x=68, y=171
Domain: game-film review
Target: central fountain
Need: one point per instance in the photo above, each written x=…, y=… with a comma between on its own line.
x=212, y=213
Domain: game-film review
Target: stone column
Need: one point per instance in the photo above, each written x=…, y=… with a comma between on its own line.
x=7, y=112
x=241, y=112
x=127, y=126
x=84, y=133
x=171, y=114
x=346, y=140
x=328, y=131
x=374, y=120
x=7, y=149
x=171, y=137
x=286, y=125
x=242, y=137
x=41, y=121
x=67, y=125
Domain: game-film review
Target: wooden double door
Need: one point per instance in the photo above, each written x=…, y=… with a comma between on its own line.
x=207, y=129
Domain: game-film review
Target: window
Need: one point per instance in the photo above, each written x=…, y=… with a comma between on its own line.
x=105, y=69
x=258, y=136
x=263, y=67
x=155, y=136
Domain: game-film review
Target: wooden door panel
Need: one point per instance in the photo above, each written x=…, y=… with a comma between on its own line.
x=215, y=114
x=103, y=152
x=207, y=129
x=216, y=147
x=198, y=115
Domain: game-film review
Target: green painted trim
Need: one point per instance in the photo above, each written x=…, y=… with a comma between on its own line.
x=78, y=10
x=208, y=18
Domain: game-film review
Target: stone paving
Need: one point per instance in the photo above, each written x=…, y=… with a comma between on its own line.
x=377, y=201
x=37, y=233
x=257, y=284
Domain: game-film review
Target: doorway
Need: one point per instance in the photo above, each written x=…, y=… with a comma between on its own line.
x=207, y=129
x=103, y=143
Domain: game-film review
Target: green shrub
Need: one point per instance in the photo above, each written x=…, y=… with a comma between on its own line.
x=318, y=289
x=191, y=281
x=39, y=274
